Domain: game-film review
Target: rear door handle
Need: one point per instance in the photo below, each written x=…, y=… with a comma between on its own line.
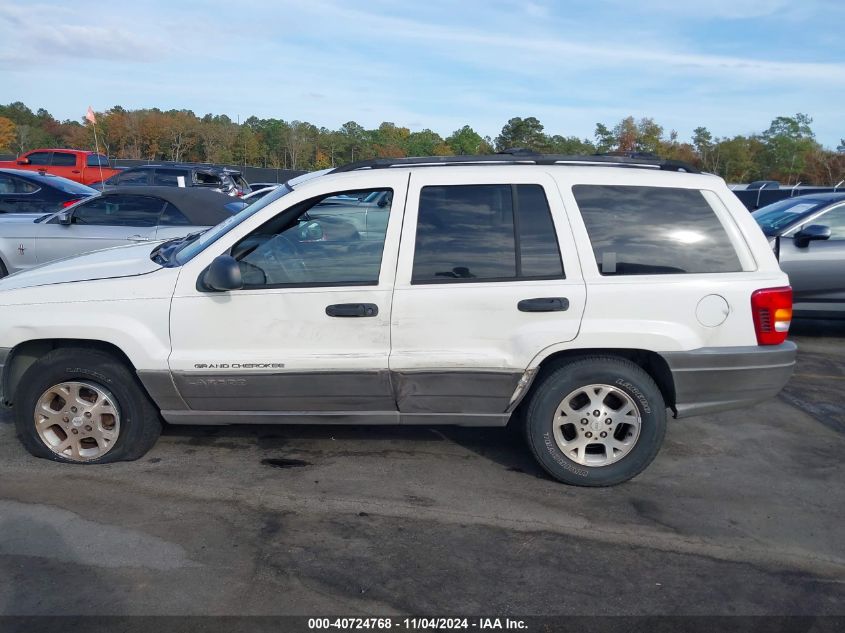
x=544, y=304
x=352, y=310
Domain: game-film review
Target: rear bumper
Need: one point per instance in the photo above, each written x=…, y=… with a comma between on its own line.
x=713, y=379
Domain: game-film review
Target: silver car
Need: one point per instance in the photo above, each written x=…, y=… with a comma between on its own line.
x=807, y=234
x=117, y=217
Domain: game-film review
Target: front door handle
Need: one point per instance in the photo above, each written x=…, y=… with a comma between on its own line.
x=544, y=304
x=138, y=238
x=352, y=310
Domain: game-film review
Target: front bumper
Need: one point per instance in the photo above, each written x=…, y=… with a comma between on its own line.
x=713, y=379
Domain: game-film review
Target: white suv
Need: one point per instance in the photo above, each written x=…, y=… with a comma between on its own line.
x=579, y=296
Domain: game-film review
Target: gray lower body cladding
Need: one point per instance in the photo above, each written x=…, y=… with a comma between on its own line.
x=472, y=398
x=713, y=379
x=706, y=380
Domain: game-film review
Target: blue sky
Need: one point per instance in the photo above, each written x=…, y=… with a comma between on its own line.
x=731, y=65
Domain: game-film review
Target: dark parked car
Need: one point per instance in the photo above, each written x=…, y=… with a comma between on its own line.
x=808, y=237
x=31, y=192
x=223, y=179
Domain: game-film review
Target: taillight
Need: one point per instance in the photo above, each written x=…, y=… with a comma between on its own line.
x=67, y=203
x=772, y=312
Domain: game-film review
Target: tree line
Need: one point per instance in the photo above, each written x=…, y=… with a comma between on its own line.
x=786, y=151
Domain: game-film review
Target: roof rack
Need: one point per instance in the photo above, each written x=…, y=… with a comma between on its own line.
x=519, y=156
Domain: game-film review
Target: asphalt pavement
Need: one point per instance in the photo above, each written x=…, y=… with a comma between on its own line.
x=741, y=513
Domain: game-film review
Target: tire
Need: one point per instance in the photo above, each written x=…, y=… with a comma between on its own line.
x=3, y=271
x=573, y=406
x=123, y=423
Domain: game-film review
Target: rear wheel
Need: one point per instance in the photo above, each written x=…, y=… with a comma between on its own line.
x=598, y=421
x=84, y=406
x=3, y=271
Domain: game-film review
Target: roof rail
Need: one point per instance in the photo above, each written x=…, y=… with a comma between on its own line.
x=520, y=156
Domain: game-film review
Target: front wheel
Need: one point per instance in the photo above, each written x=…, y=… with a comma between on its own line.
x=84, y=406
x=597, y=421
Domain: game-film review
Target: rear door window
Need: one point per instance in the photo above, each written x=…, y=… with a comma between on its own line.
x=24, y=186
x=64, y=159
x=12, y=185
x=171, y=177
x=139, y=177
x=654, y=230
x=484, y=233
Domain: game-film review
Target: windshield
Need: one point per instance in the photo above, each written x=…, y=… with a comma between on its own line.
x=775, y=217
x=189, y=250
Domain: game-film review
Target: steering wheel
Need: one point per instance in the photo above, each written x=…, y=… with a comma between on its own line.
x=286, y=255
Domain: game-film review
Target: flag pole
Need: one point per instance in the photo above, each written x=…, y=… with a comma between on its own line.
x=99, y=162
x=90, y=116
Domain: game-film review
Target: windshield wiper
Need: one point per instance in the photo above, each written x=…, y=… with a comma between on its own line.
x=164, y=252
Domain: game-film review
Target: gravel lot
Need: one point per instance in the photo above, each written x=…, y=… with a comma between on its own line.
x=741, y=513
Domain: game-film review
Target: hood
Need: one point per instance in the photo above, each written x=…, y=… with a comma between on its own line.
x=121, y=261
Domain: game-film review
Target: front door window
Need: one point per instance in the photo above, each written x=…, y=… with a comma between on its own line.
x=319, y=242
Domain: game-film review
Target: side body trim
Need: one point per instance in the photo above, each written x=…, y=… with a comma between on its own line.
x=451, y=391
x=287, y=391
x=332, y=417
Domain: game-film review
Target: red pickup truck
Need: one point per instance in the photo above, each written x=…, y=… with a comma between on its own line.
x=81, y=166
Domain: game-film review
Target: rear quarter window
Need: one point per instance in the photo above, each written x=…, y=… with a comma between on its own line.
x=96, y=160
x=654, y=230
x=207, y=180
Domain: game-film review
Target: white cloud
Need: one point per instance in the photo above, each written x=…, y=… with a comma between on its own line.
x=49, y=34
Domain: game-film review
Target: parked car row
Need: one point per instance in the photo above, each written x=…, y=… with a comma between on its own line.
x=93, y=169
x=117, y=217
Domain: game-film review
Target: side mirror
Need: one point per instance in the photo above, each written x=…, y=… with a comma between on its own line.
x=223, y=274
x=23, y=161
x=65, y=218
x=810, y=234
x=311, y=232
